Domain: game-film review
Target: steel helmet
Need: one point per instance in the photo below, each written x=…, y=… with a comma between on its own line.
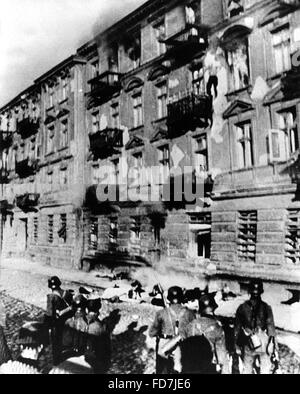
x=207, y=301
x=175, y=293
x=256, y=287
x=79, y=302
x=54, y=283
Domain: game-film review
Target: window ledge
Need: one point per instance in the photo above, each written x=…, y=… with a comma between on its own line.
x=49, y=109
x=235, y=92
x=136, y=128
x=159, y=120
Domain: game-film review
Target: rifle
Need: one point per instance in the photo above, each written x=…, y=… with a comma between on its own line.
x=161, y=292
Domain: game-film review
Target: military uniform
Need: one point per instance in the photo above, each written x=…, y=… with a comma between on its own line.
x=212, y=330
x=4, y=350
x=169, y=323
x=57, y=302
x=254, y=317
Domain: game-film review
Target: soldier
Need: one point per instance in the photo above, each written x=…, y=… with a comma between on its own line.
x=208, y=326
x=255, y=334
x=169, y=323
x=58, y=311
x=98, y=349
x=4, y=350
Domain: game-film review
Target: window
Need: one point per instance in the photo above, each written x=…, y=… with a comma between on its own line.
x=62, y=232
x=95, y=122
x=198, y=81
x=238, y=61
x=190, y=15
x=137, y=110
x=201, y=159
x=113, y=232
x=247, y=229
x=200, y=227
x=51, y=97
x=94, y=69
x=137, y=164
x=282, y=50
x=284, y=141
x=93, y=239
x=115, y=116
x=63, y=178
x=160, y=32
x=50, y=180
x=292, y=237
x=35, y=229
x=162, y=101
x=50, y=139
x=116, y=171
x=50, y=229
x=164, y=163
x=64, y=88
x=135, y=229
x=244, y=153
x=64, y=133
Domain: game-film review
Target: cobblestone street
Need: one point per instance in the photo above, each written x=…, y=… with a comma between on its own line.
x=128, y=322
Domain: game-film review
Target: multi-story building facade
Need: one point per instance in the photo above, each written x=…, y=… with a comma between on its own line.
x=204, y=88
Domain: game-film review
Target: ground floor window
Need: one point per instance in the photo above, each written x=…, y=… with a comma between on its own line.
x=200, y=228
x=113, y=232
x=135, y=229
x=50, y=228
x=62, y=232
x=292, y=237
x=35, y=229
x=246, y=238
x=93, y=235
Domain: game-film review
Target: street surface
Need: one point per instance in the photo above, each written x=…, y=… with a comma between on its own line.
x=24, y=296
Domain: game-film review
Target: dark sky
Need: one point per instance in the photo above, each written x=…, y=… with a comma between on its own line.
x=35, y=35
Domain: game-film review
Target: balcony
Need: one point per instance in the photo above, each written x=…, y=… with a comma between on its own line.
x=6, y=139
x=189, y=41
x=27, y=202
x=105, y=142
x=188, y=113
x=4, y=176
x=27, y=127
x=26, y=168
x=105, y=85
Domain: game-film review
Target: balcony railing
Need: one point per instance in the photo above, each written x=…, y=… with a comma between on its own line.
x=6, y=139
x=188, y=113
x=4, y=176
x=105, y=142
x=290, y=80
x=27, y=202
x=27, y=127
x=190, y=40
x=105, y=85
x=26, y=167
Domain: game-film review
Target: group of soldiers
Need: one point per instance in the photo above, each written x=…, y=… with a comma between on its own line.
x=200, y=343
x=186, y=342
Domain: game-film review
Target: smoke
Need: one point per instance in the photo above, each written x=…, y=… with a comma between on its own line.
x=35, y=35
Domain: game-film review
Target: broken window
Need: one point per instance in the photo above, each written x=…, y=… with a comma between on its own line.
x=93, y=235
x=292, y=237
x=200, y=227
x=135, y=229
x=62, y=232
x=113, y=231
x=244, y=145
x=35, y=229
x=246, y=238
x=136, y=178
x=133, y=47
x=164, y=163
x=95, y=122
x=281, y=41
x=50, y=139
x=50, y=228
x=201, y=159
x=234, y=8
x=238, y=62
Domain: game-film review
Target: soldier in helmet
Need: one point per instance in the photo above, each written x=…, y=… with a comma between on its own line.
x=58, y=311
x=168, y=324
x=206, y=325
x=255, y=334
